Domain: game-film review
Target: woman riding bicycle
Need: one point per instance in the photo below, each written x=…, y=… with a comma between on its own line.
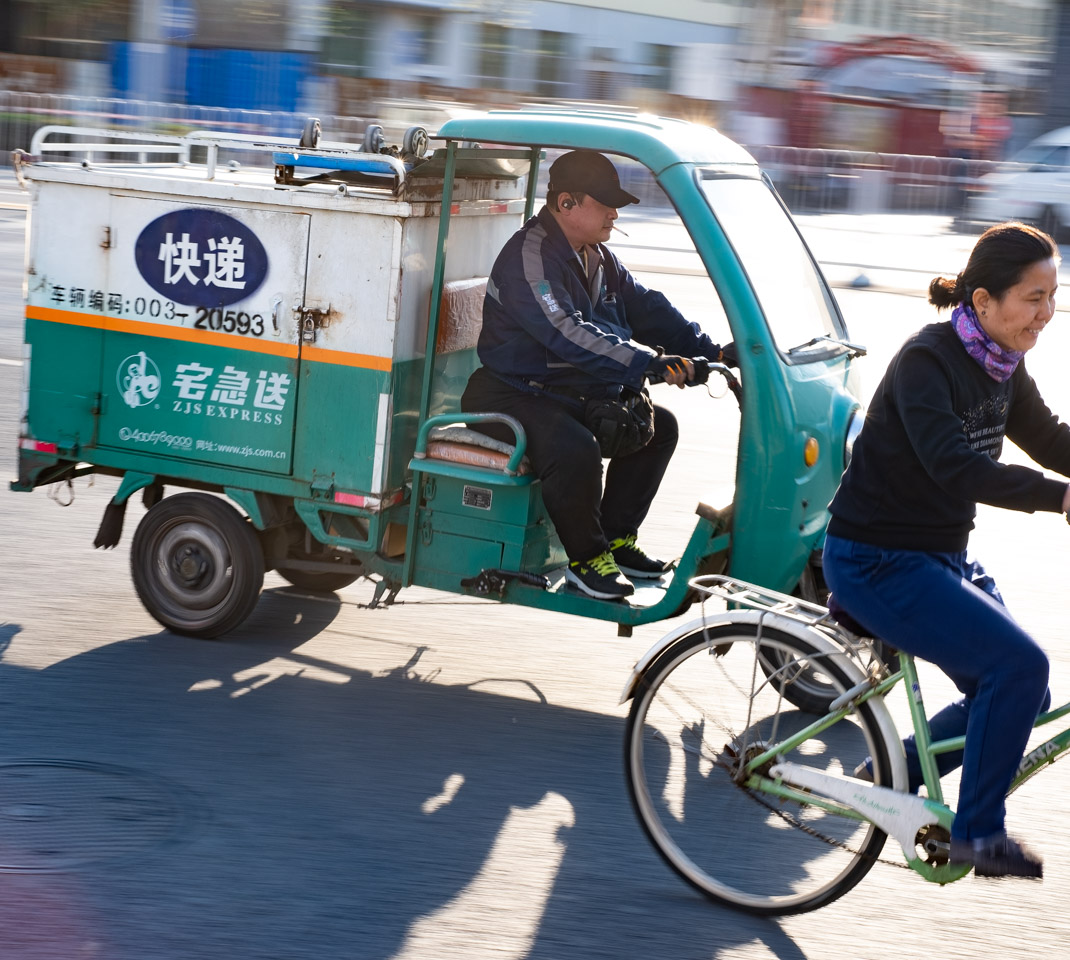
x=895, y=554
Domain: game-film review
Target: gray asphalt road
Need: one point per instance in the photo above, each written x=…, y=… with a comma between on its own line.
x=437, y=780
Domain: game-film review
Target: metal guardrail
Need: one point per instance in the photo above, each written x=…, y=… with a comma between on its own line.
x=819, y=180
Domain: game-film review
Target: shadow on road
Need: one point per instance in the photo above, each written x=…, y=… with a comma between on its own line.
x=341, y=812
x=7, y=634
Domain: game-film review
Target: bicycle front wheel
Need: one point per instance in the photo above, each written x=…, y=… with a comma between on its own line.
x=704, y=707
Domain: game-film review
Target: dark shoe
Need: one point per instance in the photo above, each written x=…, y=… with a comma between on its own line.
x=997, y=856
x=633, y=562
x=599, y=577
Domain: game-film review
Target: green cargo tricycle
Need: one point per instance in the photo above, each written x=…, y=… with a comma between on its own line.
x=295, y=334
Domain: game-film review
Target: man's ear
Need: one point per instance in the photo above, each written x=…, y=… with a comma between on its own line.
x=568, y=203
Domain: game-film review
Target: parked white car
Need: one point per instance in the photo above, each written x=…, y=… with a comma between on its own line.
x=1034, y=186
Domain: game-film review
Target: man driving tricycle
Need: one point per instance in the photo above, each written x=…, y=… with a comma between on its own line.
x=568, y=338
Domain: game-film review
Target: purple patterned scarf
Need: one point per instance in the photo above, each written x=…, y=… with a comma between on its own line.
x=998, y=363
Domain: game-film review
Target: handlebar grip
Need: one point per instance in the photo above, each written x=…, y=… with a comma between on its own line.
x=703, y=368
x=701, y=365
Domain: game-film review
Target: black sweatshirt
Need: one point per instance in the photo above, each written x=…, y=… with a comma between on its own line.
x=929, y=449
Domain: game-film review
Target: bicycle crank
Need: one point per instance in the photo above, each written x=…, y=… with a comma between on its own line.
x=935, y=840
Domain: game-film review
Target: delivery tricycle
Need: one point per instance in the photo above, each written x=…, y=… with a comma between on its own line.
x=285, y=342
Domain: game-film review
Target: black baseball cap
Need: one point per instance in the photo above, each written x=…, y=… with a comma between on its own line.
x=585, y=171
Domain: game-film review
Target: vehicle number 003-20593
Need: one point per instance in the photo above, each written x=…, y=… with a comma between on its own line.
x=229, y=321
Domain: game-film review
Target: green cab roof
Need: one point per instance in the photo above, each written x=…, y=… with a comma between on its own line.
x=656, y=142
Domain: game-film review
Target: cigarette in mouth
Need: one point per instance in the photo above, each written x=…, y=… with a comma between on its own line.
x=618, y=229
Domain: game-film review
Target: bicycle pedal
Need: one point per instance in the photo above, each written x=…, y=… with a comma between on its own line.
x=938, y=848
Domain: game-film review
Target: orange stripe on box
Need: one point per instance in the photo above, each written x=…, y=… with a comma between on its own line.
x=344, y=359
x=65, y=316
x=162, y=330
x=233, y=340
x=166, y=332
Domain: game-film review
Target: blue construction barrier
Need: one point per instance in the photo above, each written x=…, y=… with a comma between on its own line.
x=240, y=79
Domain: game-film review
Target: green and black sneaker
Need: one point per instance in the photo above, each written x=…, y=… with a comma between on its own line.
x=599, y=577
x=634, y=563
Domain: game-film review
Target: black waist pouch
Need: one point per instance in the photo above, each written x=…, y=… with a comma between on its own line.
x=621, y=425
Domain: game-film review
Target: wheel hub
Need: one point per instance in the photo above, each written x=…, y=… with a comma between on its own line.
x=191, y=565
x=737, y=755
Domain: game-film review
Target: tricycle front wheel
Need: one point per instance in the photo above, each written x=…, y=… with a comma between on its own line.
x=197, y=565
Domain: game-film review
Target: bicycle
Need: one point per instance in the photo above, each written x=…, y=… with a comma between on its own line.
x=751, y=799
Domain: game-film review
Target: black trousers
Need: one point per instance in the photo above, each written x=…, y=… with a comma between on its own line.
x=565, y=457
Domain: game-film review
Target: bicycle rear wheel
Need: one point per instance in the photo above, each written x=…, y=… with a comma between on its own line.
x=702, y=706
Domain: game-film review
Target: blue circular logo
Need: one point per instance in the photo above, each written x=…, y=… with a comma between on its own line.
x=201, y=258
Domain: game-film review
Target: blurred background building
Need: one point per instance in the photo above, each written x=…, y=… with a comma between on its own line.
x=960, y=78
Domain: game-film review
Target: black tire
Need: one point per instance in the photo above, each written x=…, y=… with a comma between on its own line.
x=310, y=135
x=811, y=690
x=688, y=725
x=197, y=565
x=804, y=688
x=373, y=139
x=318, y=582
x=414, y=143
x=808, y=689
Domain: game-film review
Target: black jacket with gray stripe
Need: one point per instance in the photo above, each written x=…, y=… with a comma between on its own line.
x=545, y=321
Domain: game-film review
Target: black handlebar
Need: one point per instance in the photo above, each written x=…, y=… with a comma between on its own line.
x=703, y=368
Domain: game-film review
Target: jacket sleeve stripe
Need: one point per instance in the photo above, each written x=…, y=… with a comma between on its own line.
x=569, y=326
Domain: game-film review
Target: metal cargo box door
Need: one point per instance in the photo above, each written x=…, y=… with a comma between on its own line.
x=202, y=341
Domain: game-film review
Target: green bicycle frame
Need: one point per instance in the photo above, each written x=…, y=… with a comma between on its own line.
x=928, y=750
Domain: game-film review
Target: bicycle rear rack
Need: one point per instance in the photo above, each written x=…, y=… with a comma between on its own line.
x=755, y=597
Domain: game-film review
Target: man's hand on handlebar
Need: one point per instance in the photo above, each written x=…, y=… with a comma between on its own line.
x=684, y=372
x=690, y=372
x=666, y=368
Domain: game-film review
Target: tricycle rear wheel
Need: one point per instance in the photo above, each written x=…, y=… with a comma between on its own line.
x=197, y=565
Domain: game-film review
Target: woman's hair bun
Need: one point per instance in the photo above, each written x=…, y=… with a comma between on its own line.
x=946, y=292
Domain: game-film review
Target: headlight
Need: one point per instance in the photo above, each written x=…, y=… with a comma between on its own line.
x=854, y=428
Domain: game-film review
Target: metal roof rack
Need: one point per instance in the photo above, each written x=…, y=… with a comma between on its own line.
x=57, y=138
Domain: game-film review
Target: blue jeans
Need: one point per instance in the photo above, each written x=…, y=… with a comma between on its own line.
x=944, y=609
